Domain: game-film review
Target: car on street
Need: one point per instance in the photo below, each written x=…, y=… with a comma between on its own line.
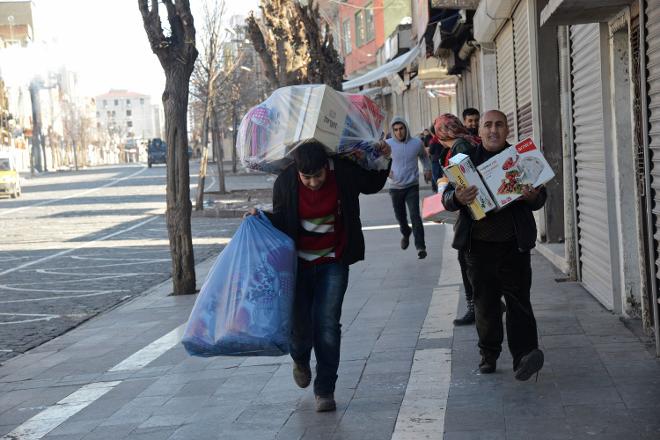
x=10, y=181
x=156, y=152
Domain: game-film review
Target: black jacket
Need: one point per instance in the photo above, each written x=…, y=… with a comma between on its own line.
x=523, y=218
x=351, y=181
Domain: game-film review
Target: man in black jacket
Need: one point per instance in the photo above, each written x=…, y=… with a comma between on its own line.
x=316, y=203
x=497, y=250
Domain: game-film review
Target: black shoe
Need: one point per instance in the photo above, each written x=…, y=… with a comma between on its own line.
x=467, y=319
x=302, y=374
x=487, y=366
x=421, y=254
x=405, y=241
x=529, y=364
x=325, y=403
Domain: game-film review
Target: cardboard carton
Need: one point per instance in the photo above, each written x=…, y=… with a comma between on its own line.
x=462, y=173
x=507, y=174
x=313, y=113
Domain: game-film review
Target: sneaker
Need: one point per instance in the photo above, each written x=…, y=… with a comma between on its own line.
x=467, y=319
x=529, y=364
x=487, y=366
x=421, y=254
x=302, y=374
x=325, y=403
x=405, y=242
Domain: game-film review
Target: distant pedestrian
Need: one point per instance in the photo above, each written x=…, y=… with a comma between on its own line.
x=404, y=182
x=497, y=250
x=316, y=202
x=471, y=120
x=436, y=154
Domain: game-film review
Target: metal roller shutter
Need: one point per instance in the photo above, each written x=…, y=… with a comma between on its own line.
x=524, y=121
x=653, y=66
x=506, y=77
x=593, y=223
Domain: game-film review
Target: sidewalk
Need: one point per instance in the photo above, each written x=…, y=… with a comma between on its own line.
x=406, y=372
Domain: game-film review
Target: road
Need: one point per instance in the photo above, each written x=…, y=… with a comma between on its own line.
x=78, y=243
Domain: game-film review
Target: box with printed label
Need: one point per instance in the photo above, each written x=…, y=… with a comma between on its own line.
x=462, y=173
x=508, y=173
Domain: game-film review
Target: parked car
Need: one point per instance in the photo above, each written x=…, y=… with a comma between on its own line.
x=10, y=181
x=157, y=151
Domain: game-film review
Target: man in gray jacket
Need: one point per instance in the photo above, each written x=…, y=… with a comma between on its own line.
x=404, y=182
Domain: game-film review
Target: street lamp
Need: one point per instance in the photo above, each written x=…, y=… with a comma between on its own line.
x=11, y=19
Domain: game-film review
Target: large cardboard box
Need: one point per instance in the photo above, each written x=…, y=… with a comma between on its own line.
x=461, y=172
x=510, y=171
x=311, y=113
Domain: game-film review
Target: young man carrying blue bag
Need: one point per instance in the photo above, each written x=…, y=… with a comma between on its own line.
x=316, y=203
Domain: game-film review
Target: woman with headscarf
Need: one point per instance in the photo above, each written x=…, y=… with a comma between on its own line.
x=453, y=135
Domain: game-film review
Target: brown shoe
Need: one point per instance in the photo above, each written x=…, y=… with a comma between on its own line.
x=325, y=403
x=302, y=374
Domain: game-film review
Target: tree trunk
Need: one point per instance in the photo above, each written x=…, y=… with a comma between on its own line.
x=219, y=153
x=201, y=181
x=179, y=207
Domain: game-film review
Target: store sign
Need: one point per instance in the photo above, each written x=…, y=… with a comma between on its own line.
x=455, y=4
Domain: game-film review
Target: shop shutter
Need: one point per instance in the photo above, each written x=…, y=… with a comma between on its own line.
x=524, y=121
x=589, y=143
x=506, y=78
x=653, y=67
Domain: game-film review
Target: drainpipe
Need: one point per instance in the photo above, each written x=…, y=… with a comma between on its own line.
x=647, y=171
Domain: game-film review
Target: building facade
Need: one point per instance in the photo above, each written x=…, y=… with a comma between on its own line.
x=126, y=114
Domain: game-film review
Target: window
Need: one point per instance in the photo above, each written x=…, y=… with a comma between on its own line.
x=128, y=102
x=369, y=22
x=129, y=123
x=359, y=29
x=109, y=113
x=141, y=101
x=105, y=103
x=128, y=113
x=346, y=31
x=113, y=113
x=98, y=114
x=116, y=102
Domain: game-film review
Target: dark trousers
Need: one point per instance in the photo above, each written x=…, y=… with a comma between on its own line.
x=317, y=306
x=436, y=173
x=462, y=260
x=496, y=270
x=410, y=197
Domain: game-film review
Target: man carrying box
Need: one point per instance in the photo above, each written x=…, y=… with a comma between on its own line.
x=497, y=255
x=316, y=203
x=404, y=182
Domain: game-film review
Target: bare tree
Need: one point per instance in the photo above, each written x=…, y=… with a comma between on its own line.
x=177, y=54
x=293, y=46
x=205, y=86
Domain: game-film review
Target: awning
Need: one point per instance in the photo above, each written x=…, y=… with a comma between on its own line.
x=564, y=12
x=396, y=65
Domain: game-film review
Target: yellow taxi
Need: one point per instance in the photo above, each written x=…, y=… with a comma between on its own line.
x=9, y=179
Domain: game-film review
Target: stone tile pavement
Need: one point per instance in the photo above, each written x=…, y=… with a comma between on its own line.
x=406, y=372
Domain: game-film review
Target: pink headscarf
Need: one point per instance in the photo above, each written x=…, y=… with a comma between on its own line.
x=448, y=127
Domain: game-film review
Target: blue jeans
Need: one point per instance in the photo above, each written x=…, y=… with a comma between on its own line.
x=410, y=197
x=320, y=293
x=436, y=173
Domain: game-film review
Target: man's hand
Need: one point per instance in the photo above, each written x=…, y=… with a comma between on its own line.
x=251, y=211
x=530, y=193
x=427, y=175
x=384, y=148
x=465, y=196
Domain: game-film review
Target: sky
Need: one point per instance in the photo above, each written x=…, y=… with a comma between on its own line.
x=104, y=41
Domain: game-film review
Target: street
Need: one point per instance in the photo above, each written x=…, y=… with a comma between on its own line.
x=78, y=243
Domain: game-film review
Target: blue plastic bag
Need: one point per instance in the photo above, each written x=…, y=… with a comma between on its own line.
x=245, y=305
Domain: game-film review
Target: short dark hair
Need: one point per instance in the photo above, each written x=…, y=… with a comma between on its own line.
x=310, y=157
x=470, y=112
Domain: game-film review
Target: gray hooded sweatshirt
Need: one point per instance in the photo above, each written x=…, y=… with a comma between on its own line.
x=405, y=171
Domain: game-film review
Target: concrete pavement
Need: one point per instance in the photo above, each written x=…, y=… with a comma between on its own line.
x=406, y=372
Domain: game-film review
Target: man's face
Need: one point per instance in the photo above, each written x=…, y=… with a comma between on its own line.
x=313, y=181
x=493, y=131
x=400, y=133
x=471, y=121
